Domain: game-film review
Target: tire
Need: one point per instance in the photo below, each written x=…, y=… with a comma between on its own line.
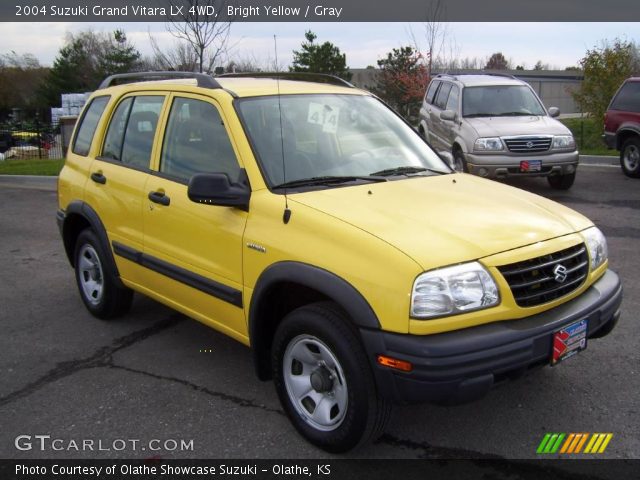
x=102, y=297
x=459, y=162
x=561, y=182
x=630, y=157
x=324, y=381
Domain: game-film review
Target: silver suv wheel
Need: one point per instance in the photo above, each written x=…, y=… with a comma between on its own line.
x=91, y=277
x=631, y=157
x=315, y=382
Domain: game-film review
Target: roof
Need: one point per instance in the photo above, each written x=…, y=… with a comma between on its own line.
x=482, y=80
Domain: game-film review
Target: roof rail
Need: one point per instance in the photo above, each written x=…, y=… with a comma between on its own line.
x=298, y=76
x=204, y=80
x=480, y=72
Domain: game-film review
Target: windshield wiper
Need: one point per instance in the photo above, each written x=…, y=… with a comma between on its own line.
x=405, y=171
x=474, y=115
x=515, y=114
x=328, y=180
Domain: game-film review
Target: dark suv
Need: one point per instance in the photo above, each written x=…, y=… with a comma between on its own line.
x=622, y=126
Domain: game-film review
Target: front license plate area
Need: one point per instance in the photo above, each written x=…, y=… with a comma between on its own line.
x=569, y=341
x=527, y=166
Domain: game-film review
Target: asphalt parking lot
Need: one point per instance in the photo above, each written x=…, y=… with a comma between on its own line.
x=156, y=375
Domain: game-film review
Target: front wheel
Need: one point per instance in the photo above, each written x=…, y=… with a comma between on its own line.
x=630, y=158
x=459, y=162
x=324, y=381
x=561, y=182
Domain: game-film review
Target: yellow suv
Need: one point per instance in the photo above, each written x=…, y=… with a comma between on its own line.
x=305, y=219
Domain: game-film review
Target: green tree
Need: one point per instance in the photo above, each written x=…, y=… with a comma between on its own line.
x=325, y=58
x=84, y=61
x=20, y=77
x=402, y=80
x=605, y=68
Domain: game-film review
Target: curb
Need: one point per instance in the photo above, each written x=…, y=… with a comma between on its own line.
x=599, y=160
x=38, y=182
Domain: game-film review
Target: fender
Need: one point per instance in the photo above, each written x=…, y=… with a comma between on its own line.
x=624, y=128
x=84, y=210
x=323, y=281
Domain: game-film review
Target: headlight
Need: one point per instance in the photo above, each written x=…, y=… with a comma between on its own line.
x=488, y=144
x=597, y=246
x=564, y=141
x=452, y=290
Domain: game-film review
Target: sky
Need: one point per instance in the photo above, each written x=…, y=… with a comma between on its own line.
x=556, y=44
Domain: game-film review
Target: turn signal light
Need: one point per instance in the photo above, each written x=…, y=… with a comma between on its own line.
x=395, y=363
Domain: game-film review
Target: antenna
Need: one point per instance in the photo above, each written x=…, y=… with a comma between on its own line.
x=287, y=213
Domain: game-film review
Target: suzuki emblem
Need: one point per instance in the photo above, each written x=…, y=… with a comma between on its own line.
x=560, y=272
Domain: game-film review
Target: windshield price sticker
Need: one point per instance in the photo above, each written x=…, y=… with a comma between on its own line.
x=324, y=115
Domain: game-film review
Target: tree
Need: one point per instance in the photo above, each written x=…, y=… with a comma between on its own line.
x=20, y=78
x=497, y=61
x=325, y=58
x=85, y=60
x=605, y=68
x=541, y=66
x=403, y=79
x=199, y=28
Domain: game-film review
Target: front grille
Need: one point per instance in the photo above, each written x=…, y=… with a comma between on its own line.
x=528, y=144
x=541, y=280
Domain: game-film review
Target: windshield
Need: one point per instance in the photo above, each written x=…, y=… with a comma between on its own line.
x=500, y=100
x=352, y=137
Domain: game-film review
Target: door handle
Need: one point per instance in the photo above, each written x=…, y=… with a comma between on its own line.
x=159, y=197
x=98, y=177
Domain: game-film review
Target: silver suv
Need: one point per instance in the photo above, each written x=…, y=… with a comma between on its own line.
x=496, y=126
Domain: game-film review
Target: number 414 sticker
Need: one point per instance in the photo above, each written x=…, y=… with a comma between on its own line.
x=324, y=115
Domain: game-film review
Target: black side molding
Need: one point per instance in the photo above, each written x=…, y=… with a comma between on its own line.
x=179, y=274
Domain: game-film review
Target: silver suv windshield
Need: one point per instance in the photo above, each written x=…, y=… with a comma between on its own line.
x=332, y=139
x=500, y=101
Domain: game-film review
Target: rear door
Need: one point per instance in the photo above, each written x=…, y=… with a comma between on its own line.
x=193, y=251
x=427, y=106
x=119, y=173
x=438, y=130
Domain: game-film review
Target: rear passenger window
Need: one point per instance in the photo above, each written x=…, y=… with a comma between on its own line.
x=628, y=99
x=443, y=95
x=115, y=135
x=141, y=130
x=452, y=102
x=196, y=142
x=431, y=91
x=88, y=124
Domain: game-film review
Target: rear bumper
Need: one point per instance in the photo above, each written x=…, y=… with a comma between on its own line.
x=463, y=365
x=499, y=166
x=609, y=139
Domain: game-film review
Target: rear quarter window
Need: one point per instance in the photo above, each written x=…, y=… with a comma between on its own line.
x=431, y=91
x=88, y=125
x=628, y=98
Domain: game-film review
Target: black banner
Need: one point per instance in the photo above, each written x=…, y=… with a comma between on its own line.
x=326, y=469
x=322, y=10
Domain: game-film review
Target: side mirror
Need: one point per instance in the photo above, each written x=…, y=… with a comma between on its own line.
x=448, y=115
x=447, y=158
x=216, y=189
x=554, y=112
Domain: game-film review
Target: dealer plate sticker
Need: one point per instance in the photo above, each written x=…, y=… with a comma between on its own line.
x=569, y=341
x=531, y=165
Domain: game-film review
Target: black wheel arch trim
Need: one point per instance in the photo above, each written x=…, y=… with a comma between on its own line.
x=328, y=284
x=84, y=210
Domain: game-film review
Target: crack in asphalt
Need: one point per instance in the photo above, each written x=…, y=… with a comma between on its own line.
x=432, y=452
x=102, y=357
x=242, y=402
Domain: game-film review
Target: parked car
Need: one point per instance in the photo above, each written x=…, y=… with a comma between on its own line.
x=311, y=223
x=496, y=126
x=622, y=126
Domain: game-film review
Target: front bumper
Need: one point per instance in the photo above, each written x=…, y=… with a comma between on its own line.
x=463, y=365
x=609, y=139
x=500, y=166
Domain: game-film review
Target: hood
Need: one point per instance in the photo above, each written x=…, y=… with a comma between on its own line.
x=446, y=219
x=507, y=126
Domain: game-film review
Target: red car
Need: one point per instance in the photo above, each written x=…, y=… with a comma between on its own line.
x=622, y=126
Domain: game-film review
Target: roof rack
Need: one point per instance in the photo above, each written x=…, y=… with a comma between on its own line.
x=204, y=80
x=454, y=75
x=296, y=76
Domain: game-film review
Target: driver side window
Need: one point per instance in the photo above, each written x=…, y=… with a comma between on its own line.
x=196, y=142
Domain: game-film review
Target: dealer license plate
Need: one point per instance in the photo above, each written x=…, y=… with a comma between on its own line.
x=530, y=166
x=569, y=341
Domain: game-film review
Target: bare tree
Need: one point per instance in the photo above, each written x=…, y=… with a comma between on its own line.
x=198, y=26
x=179, y=57
x=441, y=50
